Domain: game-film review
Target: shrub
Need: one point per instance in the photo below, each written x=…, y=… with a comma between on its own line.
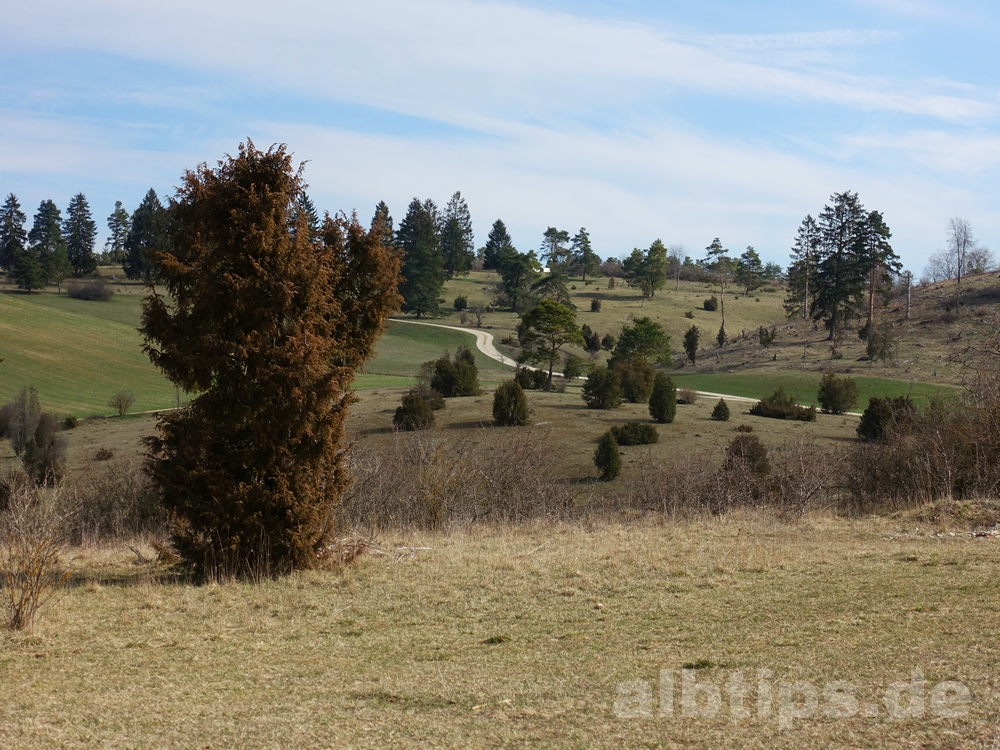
x=595, y=305
x=104, y=454
x=573, y=367
x=607, y=457
x=510, y=405
x=22, y=416
x=883, y=415
x=689, y=315
x=837, y=395
x=413, y=414
x=45, y=455
x=691, y=337
x=539, y=379
x=744, y=428
x=767, y=335
x=525, y=377
x=635, y=433
x=116, y=501
x=608, y=342
x=637, y=378
x=711, y=304
x=663, y=399
x=720, y=338
x=721, y=411
x=434, y=399
x=603, y=388
x=687, y=396
x=97, y=290
x=70, y=422
x=32, y=530
x=461, y=302
x=121, y=402
x=747, y=452
x=592, y=341
x=455, y=378
x=779, y=405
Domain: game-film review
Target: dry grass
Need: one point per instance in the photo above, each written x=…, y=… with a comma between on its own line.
x=517, y=637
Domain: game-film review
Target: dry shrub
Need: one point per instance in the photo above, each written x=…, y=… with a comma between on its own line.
x=32, y=529
x=114, y=501
x=429, y=481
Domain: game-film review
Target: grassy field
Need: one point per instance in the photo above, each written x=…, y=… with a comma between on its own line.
x=537, y=636
x=804, y=386
x=77, y=354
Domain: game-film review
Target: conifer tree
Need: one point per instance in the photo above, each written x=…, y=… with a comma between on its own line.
x=554, y=250
x=118, y=226
x=497, y=243
x=382, y=224
x=544, y=331
x=585, y=260
x=80, y=231
x=146, y=237
x=423, y=263
x=268, y=328
x=840, y=271
x=880, y=261
x=13, y=236
x=47, y=251
x=457, y=240
x=802, y=269
x=646, y=270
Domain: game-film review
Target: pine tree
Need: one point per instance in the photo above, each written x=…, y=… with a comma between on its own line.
x=118, y=226
x=802, y=269
x=253, y=319
x=497, y=244
x=423, y=263
x=543, y=331
x=554, y=249
x=717, y=261
x=749, y=271
x=12, y=233
x=80, y=231
x=457, y=239
x=646, y=270
x=146, y=237
x=585, y=260
x=840, y=273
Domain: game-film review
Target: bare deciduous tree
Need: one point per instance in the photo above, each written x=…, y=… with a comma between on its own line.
x=960, y=242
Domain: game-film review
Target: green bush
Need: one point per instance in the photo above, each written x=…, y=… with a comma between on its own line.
x=603, y=389
x=689, y=315
x=637, y=378
x=779, y=405
x=608, y=342
x=414, y=414
x=461, y=302
x=691, y=337
x=721, y=411
x=711, y=304
x=455, y=378
x=595, y=305
x=663, y=399
x=882, y=415
x=748, y=452
x=635, y=433
x=767, y=335
x=720, y=338
x=573, y=367
x=510, y=405
x=837, y=395
x=607, y=457
x=434, y=399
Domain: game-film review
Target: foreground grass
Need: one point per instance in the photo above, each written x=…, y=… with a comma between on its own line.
x=519, y=638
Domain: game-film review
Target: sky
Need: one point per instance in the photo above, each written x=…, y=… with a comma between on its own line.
x=638, y=120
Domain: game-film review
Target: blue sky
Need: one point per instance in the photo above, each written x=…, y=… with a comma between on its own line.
x=637, y=120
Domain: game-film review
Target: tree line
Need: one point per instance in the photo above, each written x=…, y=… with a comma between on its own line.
x=56, y=248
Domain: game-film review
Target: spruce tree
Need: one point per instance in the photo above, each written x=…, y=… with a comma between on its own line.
x=47, y=244
x=457, y=240
x=13, y=236
x=118, y=226
x=382, y=224
x=802, y=269
x=840, y=271
x=146, y=237
x=423, y=262
x=80, y=231
x=880, y=262
x=497, y=243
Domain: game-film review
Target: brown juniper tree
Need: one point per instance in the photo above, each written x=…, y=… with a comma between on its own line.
x=268, y=326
